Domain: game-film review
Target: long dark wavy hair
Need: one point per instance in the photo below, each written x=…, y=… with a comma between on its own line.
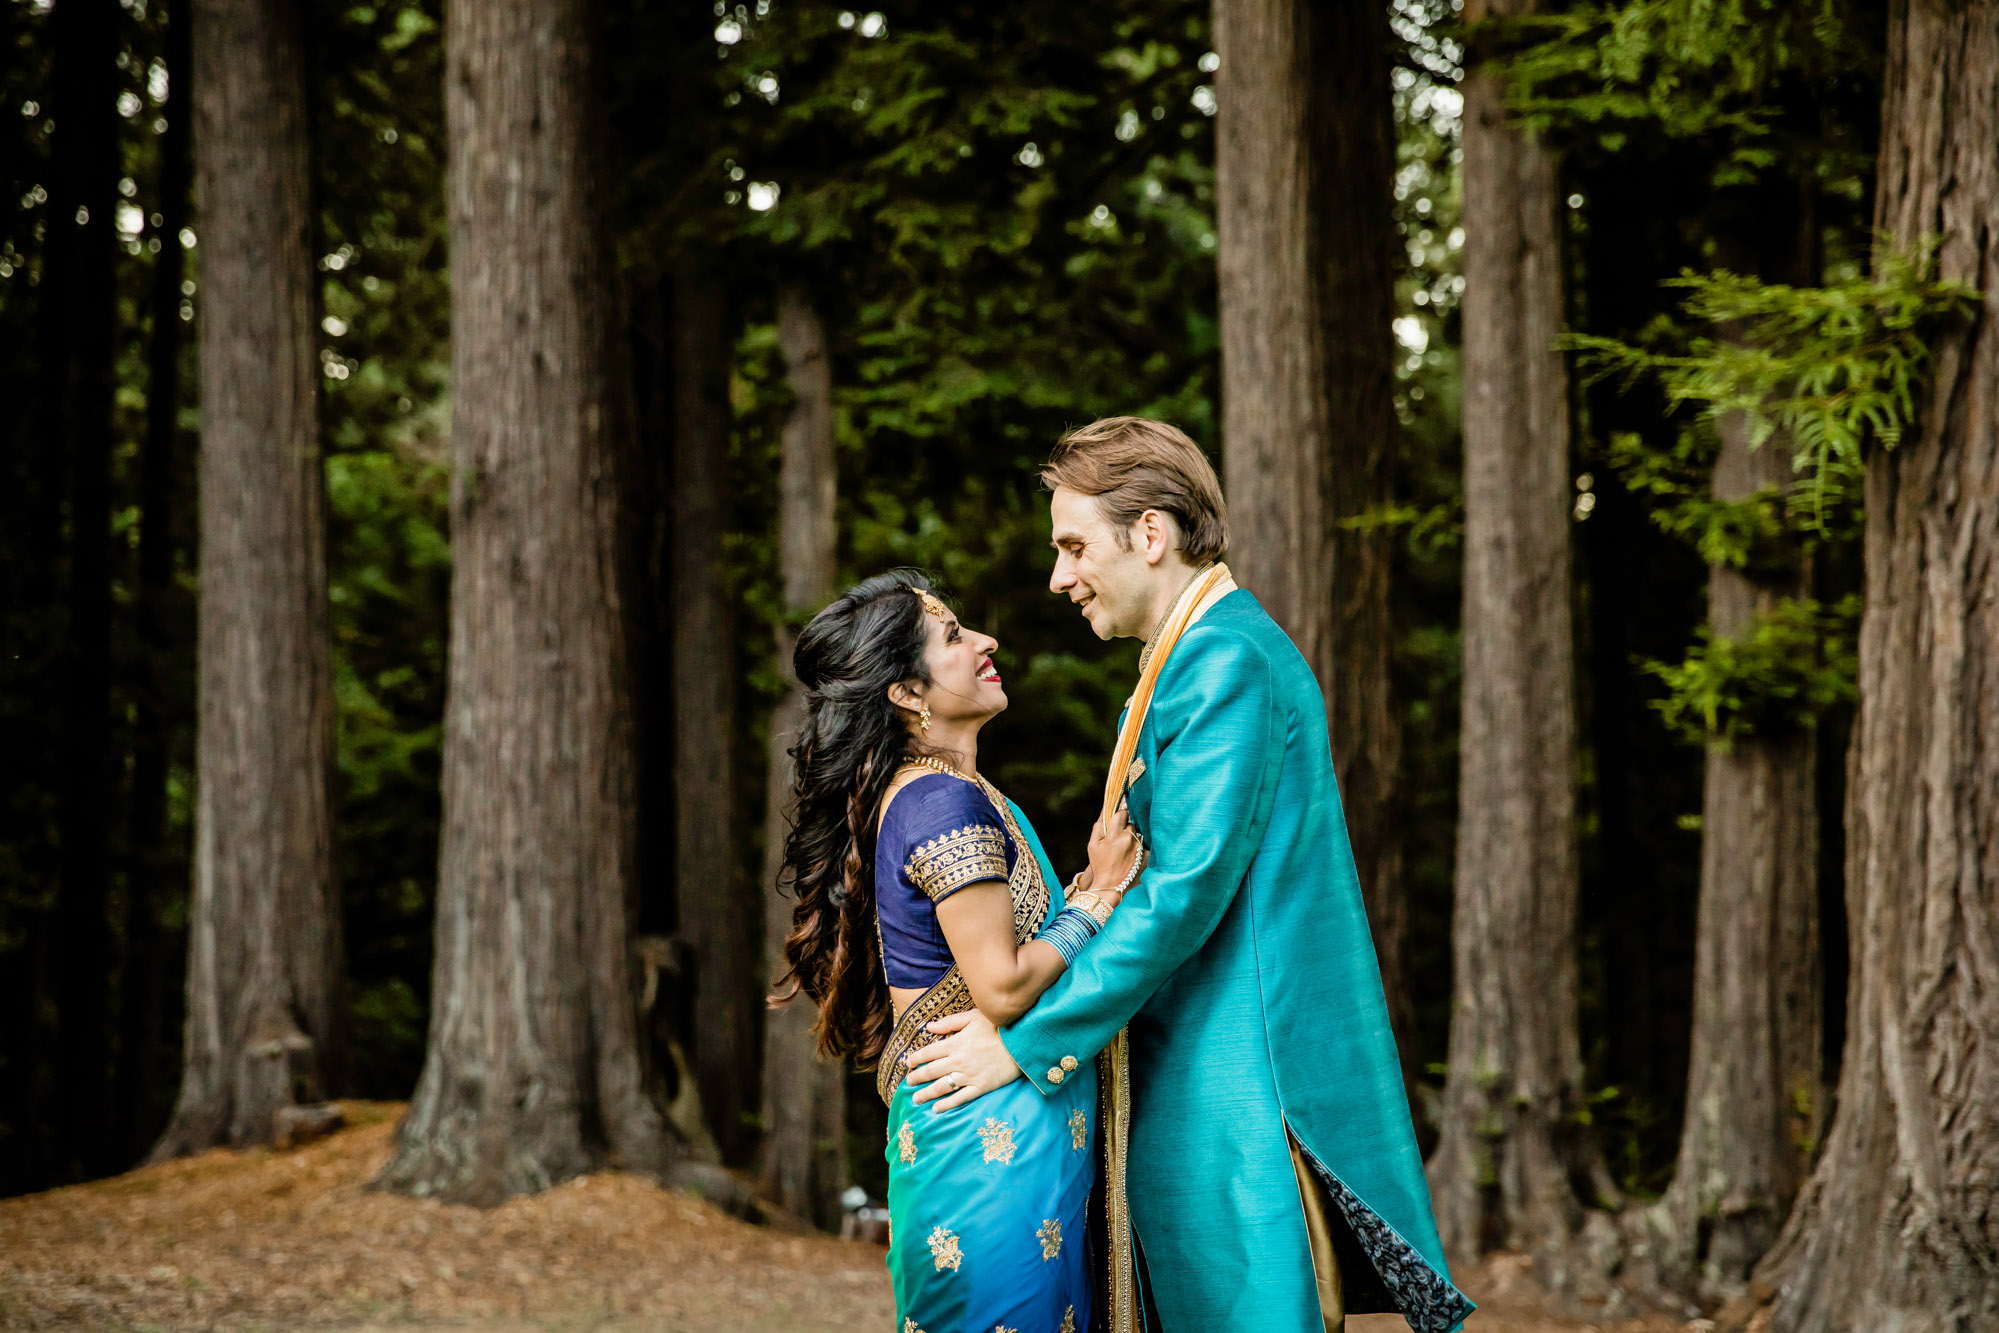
x=851, y=745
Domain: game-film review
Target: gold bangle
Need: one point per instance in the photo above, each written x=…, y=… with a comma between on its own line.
x=1092, y=902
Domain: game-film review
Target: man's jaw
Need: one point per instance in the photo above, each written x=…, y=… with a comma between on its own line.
x=1094, y=613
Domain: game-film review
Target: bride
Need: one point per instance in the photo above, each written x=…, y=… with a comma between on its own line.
x=922, y=893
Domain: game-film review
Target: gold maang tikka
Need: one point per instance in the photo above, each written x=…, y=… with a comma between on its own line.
x=935, y=606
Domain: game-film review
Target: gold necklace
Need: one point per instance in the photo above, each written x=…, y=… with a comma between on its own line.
x=939, y=766
x=1145, y=654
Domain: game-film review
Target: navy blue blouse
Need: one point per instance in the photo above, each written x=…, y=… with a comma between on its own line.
x=940, y=834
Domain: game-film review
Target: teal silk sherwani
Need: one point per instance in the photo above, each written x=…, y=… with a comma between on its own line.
x=1243, y=965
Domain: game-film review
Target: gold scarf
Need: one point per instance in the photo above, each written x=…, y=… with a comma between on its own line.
x=1115, y=1062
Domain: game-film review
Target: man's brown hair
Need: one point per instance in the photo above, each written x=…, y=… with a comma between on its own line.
x=1132, y=464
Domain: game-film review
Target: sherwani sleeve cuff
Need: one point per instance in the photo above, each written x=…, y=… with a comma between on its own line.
x=1047, y=1069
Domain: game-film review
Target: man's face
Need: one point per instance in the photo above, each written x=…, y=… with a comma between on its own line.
x=1111, y=583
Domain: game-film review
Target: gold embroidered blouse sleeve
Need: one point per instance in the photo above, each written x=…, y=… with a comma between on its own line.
x=942, y=866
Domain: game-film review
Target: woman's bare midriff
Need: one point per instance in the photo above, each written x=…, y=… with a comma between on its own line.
x=901, y=997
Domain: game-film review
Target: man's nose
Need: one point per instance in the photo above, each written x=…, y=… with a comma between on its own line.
x=1062, y=576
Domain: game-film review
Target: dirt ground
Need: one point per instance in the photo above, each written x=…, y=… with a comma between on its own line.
x=294, y=1240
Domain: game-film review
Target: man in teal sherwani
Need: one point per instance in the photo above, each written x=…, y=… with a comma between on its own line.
x=1270, y=1138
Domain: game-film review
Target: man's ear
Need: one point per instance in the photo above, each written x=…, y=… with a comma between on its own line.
x=1155, y=535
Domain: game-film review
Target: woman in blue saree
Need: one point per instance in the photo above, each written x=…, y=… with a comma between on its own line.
x=922, y=892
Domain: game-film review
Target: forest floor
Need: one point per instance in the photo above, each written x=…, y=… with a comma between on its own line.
x=269, y=1240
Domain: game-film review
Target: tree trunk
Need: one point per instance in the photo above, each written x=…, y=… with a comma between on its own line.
x=264, y=928
x=718, y=917
x=1352, y=209
x=803, y=1165
x=87, y=37
x=1896, y=1228
x=533, y=1058
x=1304, y=156
x=1754, y=1094
x=1276, y=440
x=1755, y=1088
x=143, y=996
x=1514, y=1165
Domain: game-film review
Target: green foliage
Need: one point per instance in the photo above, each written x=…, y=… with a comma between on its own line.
x=1624, y=1121
x=1430, y=529
x=385, y=410
x=1720, y=72
x=1829, y=369
x=1738, y=533
x=1004, y=215
x=1798, y=660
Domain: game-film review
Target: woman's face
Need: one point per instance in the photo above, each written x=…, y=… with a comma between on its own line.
x=964, y=683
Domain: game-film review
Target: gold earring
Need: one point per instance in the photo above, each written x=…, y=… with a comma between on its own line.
x=923, y=717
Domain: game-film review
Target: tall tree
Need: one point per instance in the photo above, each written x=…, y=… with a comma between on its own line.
x=1894, y=1228
x=87, y=35
x=803, y=1164
x=1513, y=1094
x=533, y=1054
x=1304, y=152
x=1353, y=225
x=142, y=996
x=1276, y=444
x=1754, y=1095
x=264, y=927
x=718, y=915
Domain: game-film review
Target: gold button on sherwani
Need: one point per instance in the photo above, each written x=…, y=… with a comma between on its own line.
x=1054, y=1074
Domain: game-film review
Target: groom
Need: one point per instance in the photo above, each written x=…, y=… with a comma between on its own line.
x=1273, y=1177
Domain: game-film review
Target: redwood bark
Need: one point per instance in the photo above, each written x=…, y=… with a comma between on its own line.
x=1897, y=1228
x=1305, y=144
x=1515, y=1165
x=1276, y=437
x=533, y=1058
x=803, y=1165
x=1352, y=210
x=1755, y=1100
x=719, y=917
x=264, y=928
x=1755, y=1087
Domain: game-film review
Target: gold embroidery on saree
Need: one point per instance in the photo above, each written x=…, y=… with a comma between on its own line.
x=944, y=1250
x=1079, y=1129
x=997, y=1135
x=905, y=1141
x=1050, y=1237
x=950, y=995
x=943, y=865
x=1068, y=1320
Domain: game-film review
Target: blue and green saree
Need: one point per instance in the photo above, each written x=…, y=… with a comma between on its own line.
x=989, y=1202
